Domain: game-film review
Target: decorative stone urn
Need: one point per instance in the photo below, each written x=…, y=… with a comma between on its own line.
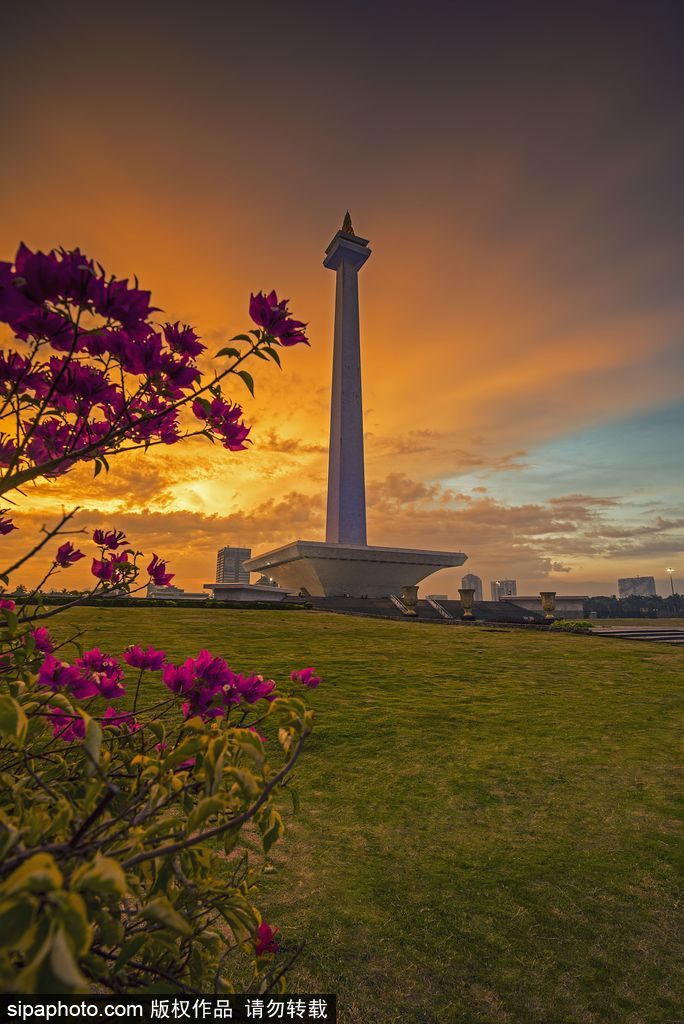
x=467, y=596
x=409, y=596
x=548, y=603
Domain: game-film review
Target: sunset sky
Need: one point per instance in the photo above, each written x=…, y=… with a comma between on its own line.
x=518, y=170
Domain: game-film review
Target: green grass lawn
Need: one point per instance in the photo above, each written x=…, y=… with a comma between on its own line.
x=488, y=822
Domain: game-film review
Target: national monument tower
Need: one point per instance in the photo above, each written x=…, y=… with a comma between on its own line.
x=345, y=565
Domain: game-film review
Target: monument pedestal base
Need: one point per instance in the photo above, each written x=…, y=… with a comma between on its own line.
x=350, y=570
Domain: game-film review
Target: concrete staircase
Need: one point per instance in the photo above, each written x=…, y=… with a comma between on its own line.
x=653, y=634
x=444, y=612
x=403, y=608
x=440, y=609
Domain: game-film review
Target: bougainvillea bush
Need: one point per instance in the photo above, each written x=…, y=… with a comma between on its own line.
x=132, y=830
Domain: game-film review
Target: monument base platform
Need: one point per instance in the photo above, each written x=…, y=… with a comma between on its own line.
x=246, y=592
x=339, y=570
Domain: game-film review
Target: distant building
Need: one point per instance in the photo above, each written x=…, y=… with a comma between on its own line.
x=439, y=597
x=229, y=563
x=171, y=593
x=637, y=586
x=472, y=582
x=503, y=588
x=241, y=593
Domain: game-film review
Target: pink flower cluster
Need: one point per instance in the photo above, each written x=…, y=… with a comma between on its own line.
x=266, y=941
x=224, y=420
x=67, y=555
x=43, y=642
x=306, y=677
x=148, y=660
x=274, y=317
x=210, y=687
x=6, y=525
x=94, y=674
x=113, y=375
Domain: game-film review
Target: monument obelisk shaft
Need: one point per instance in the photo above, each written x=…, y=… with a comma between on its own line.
x=346, y=519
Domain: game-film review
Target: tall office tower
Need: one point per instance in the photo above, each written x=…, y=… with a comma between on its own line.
x=229, y=567
x=472, y=582
x=503, y=588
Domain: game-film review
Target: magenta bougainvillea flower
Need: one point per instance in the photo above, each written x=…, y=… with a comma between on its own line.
x=6, y=525
x=292, y=333
x=148, y=659
x=7, y=603
x=111, y=374
x=183, y=340
x=102, y=569
x=67, y=727
x=306, y=677
x=253, y=688
x=223, y=418
x=58, y=675
x=42, y=640
x=274, y=316
x=104, y=671
x=109, y=538
x=67, y=555
x=8, y=450
x=266, y=941
x=110, y=570
x=211, y=687
x=157, y=572
x=267, y=312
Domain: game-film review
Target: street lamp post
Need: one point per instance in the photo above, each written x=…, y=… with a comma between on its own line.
x=671, y=572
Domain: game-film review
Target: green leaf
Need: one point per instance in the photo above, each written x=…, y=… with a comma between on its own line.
x=161, y=912
x=246, y=781
x=158, y=730
x=37, y=874
x=102, y=875
x=204, y=402
x=273, y=353
x=93, y=742
x=294, y=796
x=247, y=378
x=11, y=620
x=13, y=721
x=110, y=932
x=16, y=922
x=241, y=337
x=73, y=915
x=128, y=951
x=58, y=700
x=234, y=353
x=205, y=809
x=187, y=749
x=273, y=831
x=53, y=969
x=98, y=467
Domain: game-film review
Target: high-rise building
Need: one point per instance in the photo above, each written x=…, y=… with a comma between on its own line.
x=229, y=567
x=472, y=582
x=637, y=586
x=503, y=588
